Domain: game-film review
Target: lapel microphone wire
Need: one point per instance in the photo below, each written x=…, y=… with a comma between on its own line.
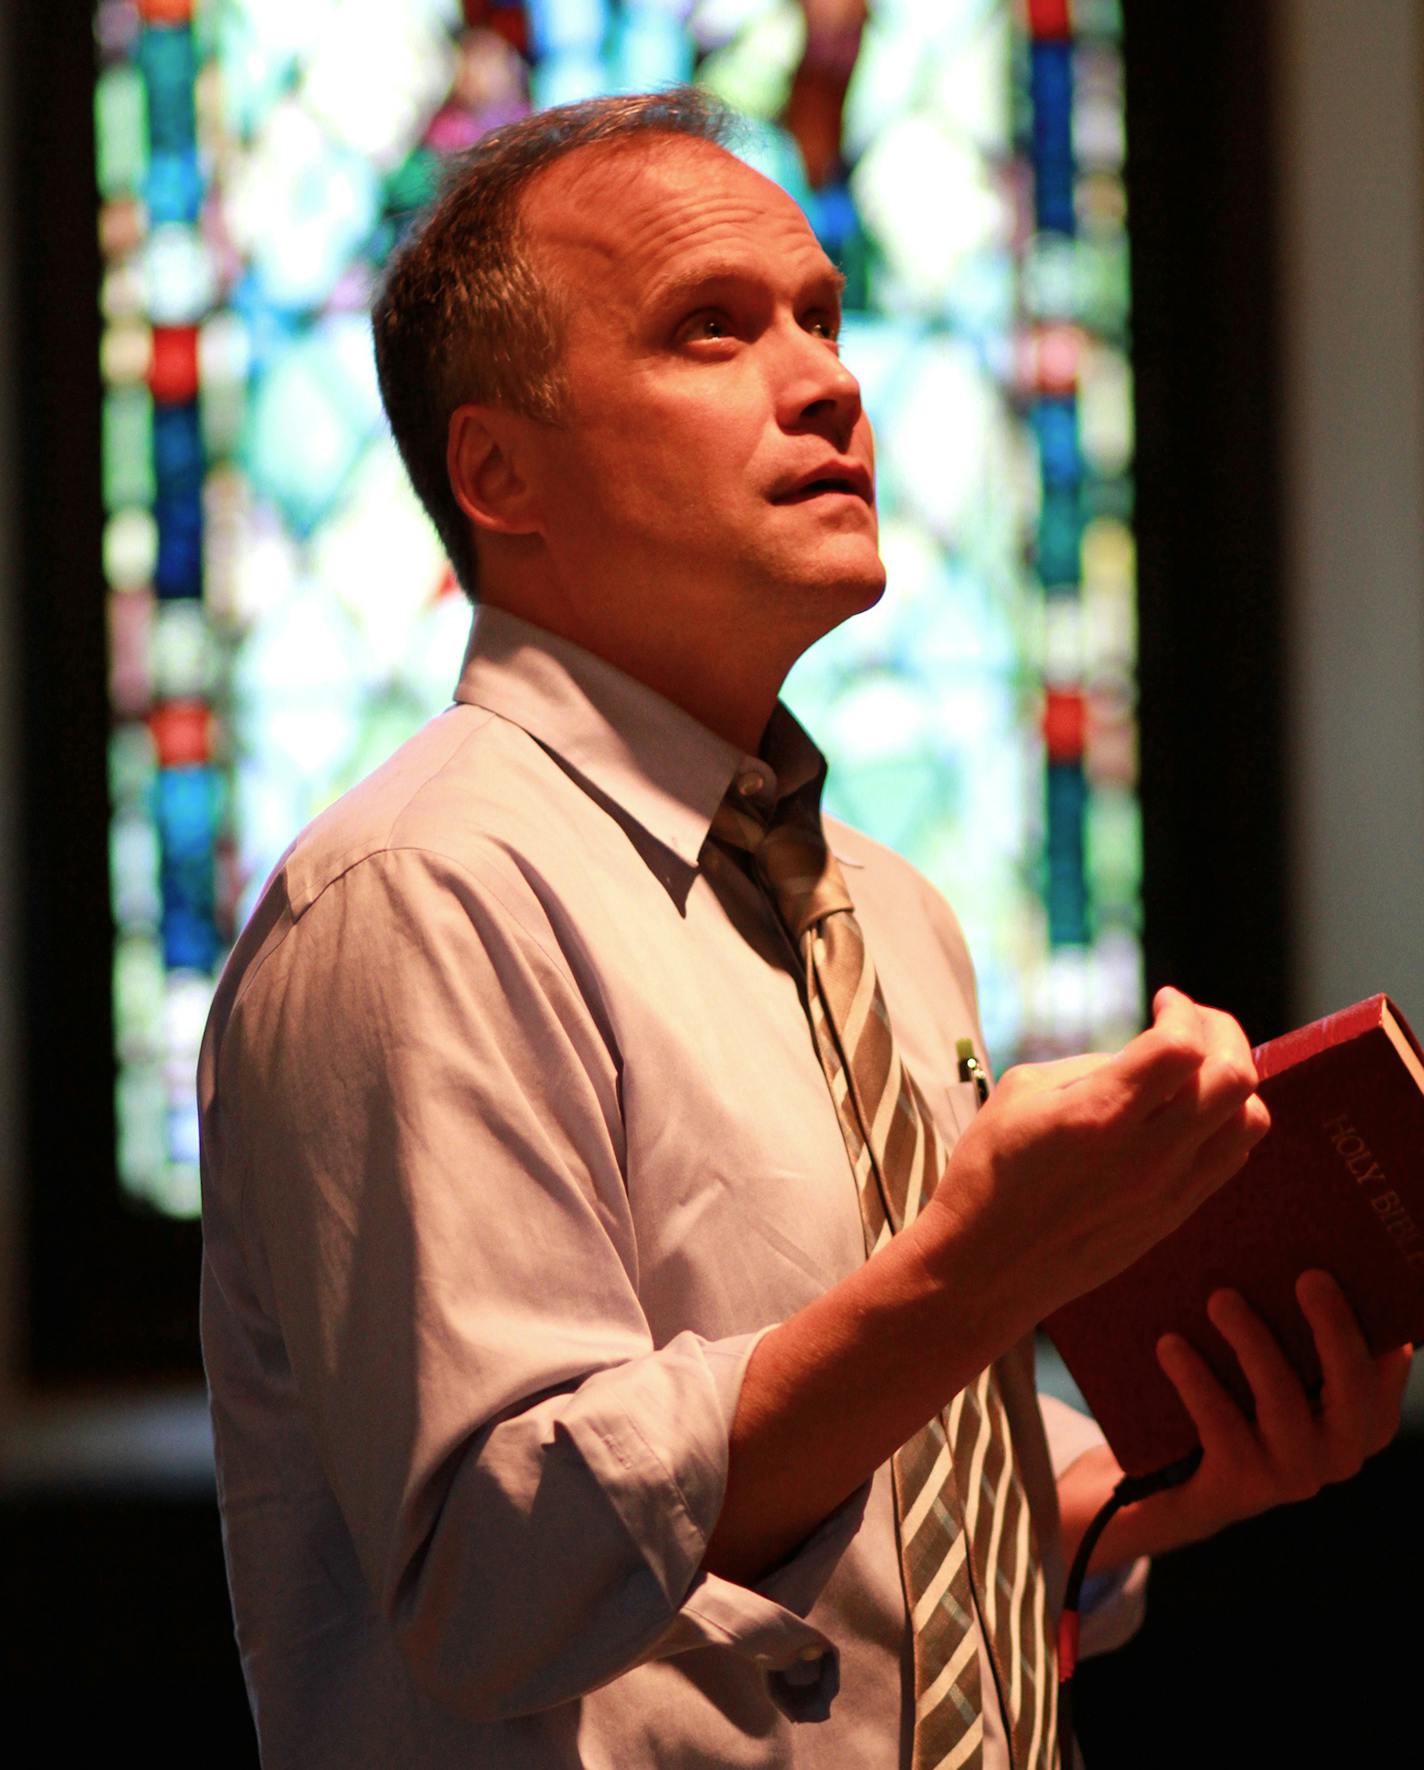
x=1130, y=1489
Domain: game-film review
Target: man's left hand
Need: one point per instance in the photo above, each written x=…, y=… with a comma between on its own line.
x=1289, y=1451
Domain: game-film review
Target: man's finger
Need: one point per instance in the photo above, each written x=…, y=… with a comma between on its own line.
x=1362, y=1394
x=1154, y=1066
x=1221, y=1426
x=1284, y=1421
x=1221, y=1087
x=1170, y=1001
x=1226, y=1038
x=1208, y=1161
x=1392, y=1374
x=1347, y=1400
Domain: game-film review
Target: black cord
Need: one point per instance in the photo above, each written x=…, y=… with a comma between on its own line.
x=1130, y=1489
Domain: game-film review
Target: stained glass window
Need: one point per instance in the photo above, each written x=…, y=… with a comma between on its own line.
x=281, y=615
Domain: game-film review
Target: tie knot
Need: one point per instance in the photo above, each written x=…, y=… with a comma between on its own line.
x=790, y=854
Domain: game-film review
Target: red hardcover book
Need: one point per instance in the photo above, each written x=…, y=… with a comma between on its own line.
x=1337, y=1182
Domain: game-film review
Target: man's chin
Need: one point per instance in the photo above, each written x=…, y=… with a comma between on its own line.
x=836, y=599
x=859, y=597
x=849, y=585
x=819, y=587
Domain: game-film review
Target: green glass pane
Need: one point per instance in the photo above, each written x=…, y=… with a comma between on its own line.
x=307, y=425
x=131, y=764
x=753, y=72
x=142, y=1128
x=120, y=131
x=1114, y=843
x=139, y=995
x=128, y=447
x=1103, y=290
x=133, y=870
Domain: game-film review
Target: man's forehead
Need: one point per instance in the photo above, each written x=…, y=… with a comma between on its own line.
x=645, y=214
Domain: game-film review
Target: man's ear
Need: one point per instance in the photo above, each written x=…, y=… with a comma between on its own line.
x=485, y=464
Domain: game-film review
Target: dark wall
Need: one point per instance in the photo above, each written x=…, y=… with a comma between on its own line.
x=1265, y=1646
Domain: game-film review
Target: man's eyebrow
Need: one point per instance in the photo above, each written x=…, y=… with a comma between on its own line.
x=686, y=284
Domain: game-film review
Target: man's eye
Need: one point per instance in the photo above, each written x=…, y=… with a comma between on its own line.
x=708, y=325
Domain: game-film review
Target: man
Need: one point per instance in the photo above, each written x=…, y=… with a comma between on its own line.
x=561, y=1418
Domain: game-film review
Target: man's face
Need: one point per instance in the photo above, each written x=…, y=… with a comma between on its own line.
x=705, y=390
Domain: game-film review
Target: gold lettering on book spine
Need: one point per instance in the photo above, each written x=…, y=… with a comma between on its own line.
x=1369, y=1176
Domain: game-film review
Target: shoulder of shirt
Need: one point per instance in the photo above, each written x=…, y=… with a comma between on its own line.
x=470, y=794
x=467, y=791
x=890, y=871
x=468, y=788
x=854, y=848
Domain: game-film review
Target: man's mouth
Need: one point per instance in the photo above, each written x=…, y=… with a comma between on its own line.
x=818, y=488
x=842, y=479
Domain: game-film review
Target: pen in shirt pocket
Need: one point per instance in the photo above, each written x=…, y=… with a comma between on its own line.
x=971, y=1069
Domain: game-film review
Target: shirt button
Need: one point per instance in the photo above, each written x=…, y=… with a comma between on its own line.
x=751, y=782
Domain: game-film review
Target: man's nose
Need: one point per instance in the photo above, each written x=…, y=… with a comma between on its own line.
x=817, y=391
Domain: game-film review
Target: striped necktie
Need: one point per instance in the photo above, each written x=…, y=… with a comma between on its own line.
x=966, y=1538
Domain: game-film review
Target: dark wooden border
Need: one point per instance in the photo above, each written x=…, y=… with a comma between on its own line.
x=1201, y=209
x=110, y=1291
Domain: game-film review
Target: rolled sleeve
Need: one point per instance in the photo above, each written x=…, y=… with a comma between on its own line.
x=436, y=1210
x=766, y=1623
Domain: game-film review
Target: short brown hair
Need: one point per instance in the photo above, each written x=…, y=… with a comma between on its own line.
x=462, y=314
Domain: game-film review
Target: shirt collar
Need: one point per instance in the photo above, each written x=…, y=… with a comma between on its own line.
x=661, y=766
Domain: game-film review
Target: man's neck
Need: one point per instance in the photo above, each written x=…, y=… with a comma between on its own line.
x=723, y=689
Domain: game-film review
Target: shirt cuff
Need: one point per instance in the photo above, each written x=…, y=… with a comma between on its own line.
x=1113, y=1606
x=765, y=1623
x=1113, y=1603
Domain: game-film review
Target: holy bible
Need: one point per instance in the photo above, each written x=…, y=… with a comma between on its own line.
x=1337, y=1182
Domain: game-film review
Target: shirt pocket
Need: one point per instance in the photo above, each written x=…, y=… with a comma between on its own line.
x=953, y=1106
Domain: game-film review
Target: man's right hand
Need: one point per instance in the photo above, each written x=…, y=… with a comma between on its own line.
x=1068, y=1173
x=1074, y=1168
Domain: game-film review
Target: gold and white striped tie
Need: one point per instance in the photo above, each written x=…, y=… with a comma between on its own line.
x=966, y=1536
